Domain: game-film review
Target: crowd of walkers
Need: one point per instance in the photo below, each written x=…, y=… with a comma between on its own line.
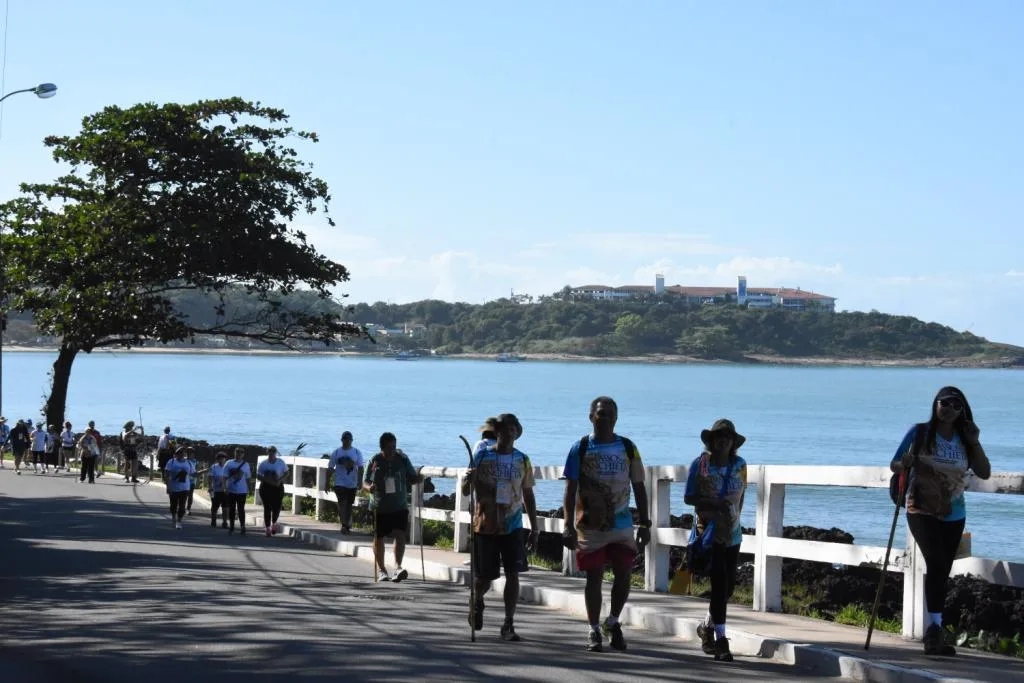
x=602, y=470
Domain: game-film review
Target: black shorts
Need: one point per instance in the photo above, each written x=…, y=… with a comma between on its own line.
x=162, y=458
x=131, y=454
x=494, y=551
x=389, y=522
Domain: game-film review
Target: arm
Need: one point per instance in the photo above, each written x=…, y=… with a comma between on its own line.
x=903, y=457
x=569, y=511
x=530, y=502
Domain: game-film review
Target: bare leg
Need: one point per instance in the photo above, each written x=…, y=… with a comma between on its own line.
x=399, y=537
x=592, y=595
x=620, y=590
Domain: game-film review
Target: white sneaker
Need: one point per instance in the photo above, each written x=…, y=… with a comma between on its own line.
x=383, y=576
x=177, y=525
x=400, y=574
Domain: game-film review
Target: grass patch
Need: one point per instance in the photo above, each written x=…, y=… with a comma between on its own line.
x=855, y=615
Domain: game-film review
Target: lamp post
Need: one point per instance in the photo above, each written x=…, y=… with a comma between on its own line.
x=42, y=91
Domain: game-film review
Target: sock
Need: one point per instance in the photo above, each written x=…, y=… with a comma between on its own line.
x=936, y=618
x=595, y=627
x=611, y=620
x=719, y=630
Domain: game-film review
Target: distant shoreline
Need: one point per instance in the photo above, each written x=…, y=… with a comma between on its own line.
x=1007, y=363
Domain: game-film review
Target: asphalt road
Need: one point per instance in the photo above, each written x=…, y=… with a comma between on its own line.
x=97, y=585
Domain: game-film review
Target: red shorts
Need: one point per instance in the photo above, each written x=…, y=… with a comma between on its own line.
x=619, y=556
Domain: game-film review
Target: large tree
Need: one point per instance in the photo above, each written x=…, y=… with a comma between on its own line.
x=159, y=200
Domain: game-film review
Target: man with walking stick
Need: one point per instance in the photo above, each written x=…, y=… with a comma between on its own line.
x=502, y=481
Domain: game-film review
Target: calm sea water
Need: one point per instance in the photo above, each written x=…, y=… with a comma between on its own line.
x=790, y=415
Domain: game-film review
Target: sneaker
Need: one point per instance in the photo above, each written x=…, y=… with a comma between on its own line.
x=213, y=523
x=508, y=633
x=223, y=525
x=614, y=633
x=935, y=642
x=274, y=528
x=722, y=653
x=177, y=525
x=242, y=530
x=400, y=574
x=231, y=530
x=383, y=576
x=476, y=616
x=594, y=641
x=189, y=512
x=268, y=532
x=134, y=480
x=706, y=633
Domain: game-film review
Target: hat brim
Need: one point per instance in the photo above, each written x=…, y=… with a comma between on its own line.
x=738, y=439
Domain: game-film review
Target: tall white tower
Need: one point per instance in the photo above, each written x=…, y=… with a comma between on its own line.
x=741, y=290
x=659, y=284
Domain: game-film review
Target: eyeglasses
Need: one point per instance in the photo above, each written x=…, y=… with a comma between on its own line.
x=954, y=403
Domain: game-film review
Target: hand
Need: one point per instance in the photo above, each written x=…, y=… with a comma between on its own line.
x=971, y=432
x=533, y=540
x=569, y=538
x=469, y=474
x=643, y=537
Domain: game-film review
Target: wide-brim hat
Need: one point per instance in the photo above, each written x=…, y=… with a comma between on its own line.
x=130, y=424
x=3, y=420
x=722, y=425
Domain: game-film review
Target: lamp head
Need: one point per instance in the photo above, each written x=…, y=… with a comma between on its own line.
x=45, y=90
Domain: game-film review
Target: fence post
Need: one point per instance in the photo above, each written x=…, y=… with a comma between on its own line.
x=913, y=591
x=296, y=483
x=256, y=498
x=460, y=536
x=321, y=481
x=417, y=506
x=656, y=555
x=771, y=503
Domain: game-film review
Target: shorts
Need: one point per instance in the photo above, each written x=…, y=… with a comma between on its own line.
x=162, y=458
x=492, y=552
x=389, y=522
x=131, y=454
x=618, y=555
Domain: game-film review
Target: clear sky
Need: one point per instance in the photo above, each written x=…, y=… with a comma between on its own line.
x=872, y=151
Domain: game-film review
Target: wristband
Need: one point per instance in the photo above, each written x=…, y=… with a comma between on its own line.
x=644, y=524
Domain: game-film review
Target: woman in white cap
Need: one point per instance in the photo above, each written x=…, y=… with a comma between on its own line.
x=271, y=474
x=179, y=472
x=238, y=473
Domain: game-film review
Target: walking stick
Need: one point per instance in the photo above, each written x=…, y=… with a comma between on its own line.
x=472, y=547
x=419, y=518
x=885, y=563
x=373, y=539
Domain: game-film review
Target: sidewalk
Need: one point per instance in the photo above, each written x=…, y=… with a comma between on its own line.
x=826, y=647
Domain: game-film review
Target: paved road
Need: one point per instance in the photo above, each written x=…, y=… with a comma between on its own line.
x=96, y=585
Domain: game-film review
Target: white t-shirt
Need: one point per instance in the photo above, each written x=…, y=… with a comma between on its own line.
x=346, y=464
x=67, y=438
x=278, y=468
x=39, y=440
x=179, y=474
x=238, y=484
x=165, y=441
x=218, y=482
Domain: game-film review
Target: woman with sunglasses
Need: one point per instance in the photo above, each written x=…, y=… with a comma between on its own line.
x=938, y=454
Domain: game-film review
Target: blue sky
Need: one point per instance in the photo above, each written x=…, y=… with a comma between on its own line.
x=872, y=151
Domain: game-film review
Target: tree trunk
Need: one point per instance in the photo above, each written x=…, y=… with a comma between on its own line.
x=58, y=399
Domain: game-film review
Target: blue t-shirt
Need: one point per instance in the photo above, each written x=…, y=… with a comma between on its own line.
x=705, y=481
x=605, y=474
x=939, y=492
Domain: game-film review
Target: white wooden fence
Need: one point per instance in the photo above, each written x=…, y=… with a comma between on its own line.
x=767, y=546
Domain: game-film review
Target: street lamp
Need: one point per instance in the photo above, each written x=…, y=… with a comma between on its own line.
x=43, y=91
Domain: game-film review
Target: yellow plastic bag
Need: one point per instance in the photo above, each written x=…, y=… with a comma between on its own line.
x=680, y=582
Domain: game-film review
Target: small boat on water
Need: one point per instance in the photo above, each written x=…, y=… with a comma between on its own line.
x=508, y=358
x=405, y=355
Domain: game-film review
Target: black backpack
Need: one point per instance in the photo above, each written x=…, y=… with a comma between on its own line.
x=898, y=481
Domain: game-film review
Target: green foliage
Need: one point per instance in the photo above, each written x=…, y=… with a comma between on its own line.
x=856, y=615
x=992, y=642
x=438, y=534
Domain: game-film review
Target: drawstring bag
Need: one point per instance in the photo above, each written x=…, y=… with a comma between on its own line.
x=698, y=547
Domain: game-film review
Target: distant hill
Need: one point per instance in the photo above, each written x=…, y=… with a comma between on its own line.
x=565, y=324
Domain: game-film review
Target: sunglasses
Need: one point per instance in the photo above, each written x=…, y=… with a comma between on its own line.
x=954, y=403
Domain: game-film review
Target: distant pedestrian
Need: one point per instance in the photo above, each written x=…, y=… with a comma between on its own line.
x=190, y=455
x=5, y=435
x=938, y=454
x=88, y=454
x=131, y=437
x=178, y=473
x=271, y=474
x=99, y=445
x=238, y=474
x=599, y=471
x=502, y=479
x=347, y=465
x=20, y=442
x=219, y=490
x=165, y=447
x=67, y=448
x=38, y=439
x=52, y=447
x=716, y=485
x=388, y=477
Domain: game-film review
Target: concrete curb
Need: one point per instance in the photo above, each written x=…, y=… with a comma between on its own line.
x=744, y=643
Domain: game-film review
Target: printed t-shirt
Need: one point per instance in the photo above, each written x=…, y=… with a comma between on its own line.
x=346, y=464
x=218, y=484
x=501, y=479
x=939, y=493
x=705, y=481
x=393, y=496
x=238, y=484
x=179, y=473
x=277, y=468
x=129, y=440
x=605, y=474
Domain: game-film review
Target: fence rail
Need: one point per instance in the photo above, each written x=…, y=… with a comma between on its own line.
x=767, y=546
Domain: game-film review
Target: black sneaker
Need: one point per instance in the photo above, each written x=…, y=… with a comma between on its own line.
x=213, y=523
x=594, y=641
x=614, y=633
x=706, y=634
x=476, y=616
x=722, y=653
x=508, y=633
x=935, y=642
x=223, y=525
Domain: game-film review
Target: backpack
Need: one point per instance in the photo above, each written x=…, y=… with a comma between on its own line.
x=898, y=481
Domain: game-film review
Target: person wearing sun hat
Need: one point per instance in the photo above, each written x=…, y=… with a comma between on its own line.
x=20, y=442
x=715, y=487
x=938, y=454
x=5, y=434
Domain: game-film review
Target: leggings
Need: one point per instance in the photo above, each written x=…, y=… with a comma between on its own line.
x=346, y=497
x=723, y=578
x=191, y=493
x=272, y=497
x=939, y=541
x=219, y=501
x=178, y=504
x=236, y=506
x=88, y=468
